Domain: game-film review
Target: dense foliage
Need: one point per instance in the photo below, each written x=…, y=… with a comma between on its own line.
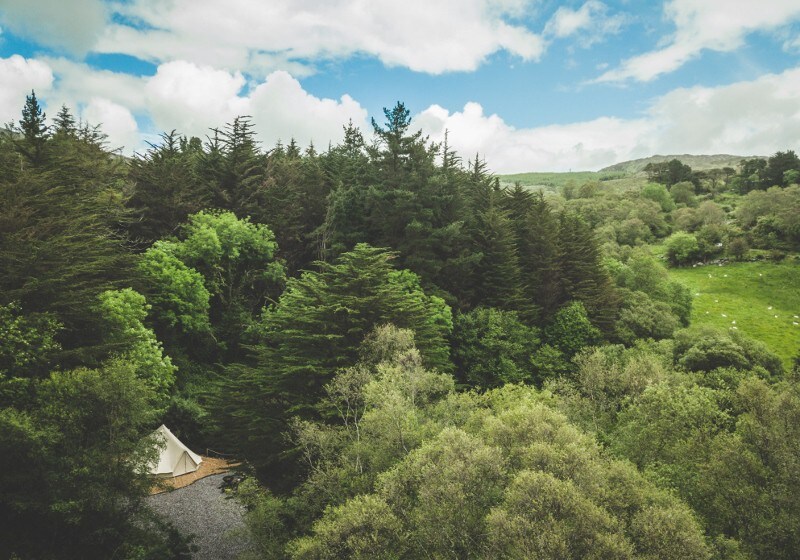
x=411, y=359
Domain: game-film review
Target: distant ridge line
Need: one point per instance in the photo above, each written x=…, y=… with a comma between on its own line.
x=696, y=162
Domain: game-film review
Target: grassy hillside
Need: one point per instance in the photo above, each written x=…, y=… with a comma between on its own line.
x=620, y=171
x=554, y=181
x=550, y=181
x=761, y=300
x=697, y=163
x=626, y=174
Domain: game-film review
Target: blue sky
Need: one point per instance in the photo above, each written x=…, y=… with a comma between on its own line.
x=528, y=84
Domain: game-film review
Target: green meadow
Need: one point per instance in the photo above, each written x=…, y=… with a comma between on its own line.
x=555, y=181
x=761, y=300
x=550, y=180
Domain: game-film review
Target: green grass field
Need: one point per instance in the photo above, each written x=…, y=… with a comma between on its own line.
x=762, y=298
x=550, y=180
x=554, y=181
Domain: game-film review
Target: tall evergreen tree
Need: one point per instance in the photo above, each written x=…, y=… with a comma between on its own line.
x=60, y=244
x=34, y=131
x=582, y=274
x=165, y=187
x=64, y=123
x=539, y=259
x=402, y=159
x=497, y=273
x=315, y=328
x=233, y=168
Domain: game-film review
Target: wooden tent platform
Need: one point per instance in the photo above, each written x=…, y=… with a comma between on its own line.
x=209, y=466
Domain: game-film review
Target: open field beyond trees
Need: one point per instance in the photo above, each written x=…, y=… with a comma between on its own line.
x=762, y=300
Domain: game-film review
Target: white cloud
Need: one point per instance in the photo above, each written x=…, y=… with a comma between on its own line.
x=719, y=25
x=192, y=98
x=74, y=24
x=18, y=76
x=591, y=19
x=434, y=37
x=181, y=95
x=755, y=117
x=586, y=145
x=792, y=44
x=282, y=109
x=116, y=122
x=78, y=82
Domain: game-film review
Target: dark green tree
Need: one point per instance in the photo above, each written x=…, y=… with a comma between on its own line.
x=491, y=347
x=582, y=275
x=777, y=167
x=402, y=159
x=669, y=172
x=315, y=328
x=165, y=187
x=74, y=471
x=60, y=235
x=233, y=168
x=35, y=131
x=751, y=174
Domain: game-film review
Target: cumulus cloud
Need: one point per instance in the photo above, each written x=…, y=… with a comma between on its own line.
x=753, y=117
x=592, y=20
x=73, y=25
x=719, y=25
x=78, y=82
x=183, y=96
x=745, y=118
x=586, y=145
x=433, y=37
x=192, y=98
x=116, y=121
x=18, y=76
x=282, y=109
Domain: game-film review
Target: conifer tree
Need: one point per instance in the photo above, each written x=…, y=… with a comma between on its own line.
x=582, y=275
x=402, y=159
x=315, y=328
x=60, y=244
x=64, y=123
x=539, y=259
x=497, y=274
x=233, y=168
x=34, y=131
x=165, y=187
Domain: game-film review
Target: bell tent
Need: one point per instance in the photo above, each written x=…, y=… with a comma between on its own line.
x=175, y=458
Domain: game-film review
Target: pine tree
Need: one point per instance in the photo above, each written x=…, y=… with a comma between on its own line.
x=60, y=239
x=64, y=123
x=582, y=274
x=402, y=159
x=233, y=168
x=518, y=204
x=497, y=274
x=539, y=259
x=34, y=131
x=315, y=328
x=165, y=187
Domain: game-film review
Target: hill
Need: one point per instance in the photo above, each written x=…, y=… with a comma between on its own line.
x=697, y=163
x=626, y=174
x=553, y=181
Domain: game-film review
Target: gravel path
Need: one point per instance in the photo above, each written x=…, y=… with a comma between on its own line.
x=203, y=509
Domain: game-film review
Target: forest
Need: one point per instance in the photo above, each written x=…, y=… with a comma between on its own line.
x=411, y=358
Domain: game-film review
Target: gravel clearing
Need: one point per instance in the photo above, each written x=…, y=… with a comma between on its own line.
x=203, y=509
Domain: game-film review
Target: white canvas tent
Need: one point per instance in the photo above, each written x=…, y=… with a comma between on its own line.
x=175, y=458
